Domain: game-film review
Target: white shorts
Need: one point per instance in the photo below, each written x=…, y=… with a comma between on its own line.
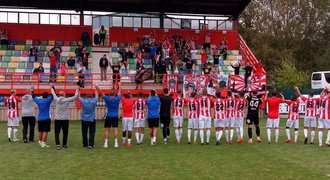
x=273, y=123
x=127, y=124
x=193, y=123
x=324, y=124
x=178, y=120
x=239, y=122
x=139, y=123
x=230, y=122
x=219, y=123
x=310, y=121
x=205, y=122
x=13, y=121
x=295, y=123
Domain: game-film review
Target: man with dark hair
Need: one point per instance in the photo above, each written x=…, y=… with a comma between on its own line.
x=62, y=115
x=193, y=117
x=112, y=104
x=230, y=117
x=139, y=122
x=205, y=120
x=12, y=113
x=293, y=119
x=104, y=64
x=253, y=115
x=28, y=115
x=88, y=105
x=153, y=103
x=178, y=104
x=219, y=107
x=127, y=112
x=239, y=110
x=44, y=120
x=165, y=114
x=273, y=119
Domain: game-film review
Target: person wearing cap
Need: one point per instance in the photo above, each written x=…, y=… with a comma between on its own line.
x=104, y=64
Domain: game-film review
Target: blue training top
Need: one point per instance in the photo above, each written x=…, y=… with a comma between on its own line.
x=153, y=107
x=112, y=105
x=88, y=109
x=44, y=107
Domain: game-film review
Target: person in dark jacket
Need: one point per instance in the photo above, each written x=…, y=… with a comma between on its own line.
x=236, y=68
x=78, y=53
x=71, y=62
x=104, y=64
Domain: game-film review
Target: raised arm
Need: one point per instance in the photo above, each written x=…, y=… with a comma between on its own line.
x=76, y=94
x=99, y=90
x=52, y=90
x=297, y=91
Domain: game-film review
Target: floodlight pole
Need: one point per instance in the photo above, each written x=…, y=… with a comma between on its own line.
x=161, y=18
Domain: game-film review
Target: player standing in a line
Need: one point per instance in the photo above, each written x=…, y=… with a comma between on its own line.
x=139, y=115
x=165, y=114
x=293, y=119
x=178, y=104
x=239, y=109
x=230, y=117
x=112, y=103
x=127, y=105
x=253, y=115
x=310, y=114
x=12, y=113
x=205, y=120
x=219, y=106
x=273, y=114
x=324, y=122
x=193, y=117
x=153, y=103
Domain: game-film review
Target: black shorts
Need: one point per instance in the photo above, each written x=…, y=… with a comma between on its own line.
x=111, y=122
x=252, y=120
x=44, y=126
x=165, y=120
x=153, y=122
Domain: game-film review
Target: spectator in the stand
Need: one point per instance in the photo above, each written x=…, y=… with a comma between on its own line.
x=236, y=68
x=166, y=52
x=63, y=68
x=104, y=64
x=139, y=66
x=248, y=72
x=216, y=58
x=130, y=50
x=78, y=53
x=53, y=68
x=153, y=54
x=4, y=37
x=193, y=55
x=116, y=74
x=85, y=38
x=223, y=50
x=189, y=66
x=57, y=50
x=208, y=68
x=85, y=55
x=81, y=74
x=162, y=70
x=204, y=57
x=39, y=70
x=207, y=44
x=124, y=57
x=102, y=33
x=34, y=53
x=71, y=62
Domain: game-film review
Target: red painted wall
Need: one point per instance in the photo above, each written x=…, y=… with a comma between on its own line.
x=119, y=34
x=45, y=32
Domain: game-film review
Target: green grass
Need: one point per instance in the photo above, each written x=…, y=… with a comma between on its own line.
x=171, y=161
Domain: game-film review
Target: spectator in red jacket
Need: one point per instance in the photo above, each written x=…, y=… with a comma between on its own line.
x=53, y=68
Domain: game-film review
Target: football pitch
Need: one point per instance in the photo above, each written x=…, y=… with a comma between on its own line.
x=171, y=161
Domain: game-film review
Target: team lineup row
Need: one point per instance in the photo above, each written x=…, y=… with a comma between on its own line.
x=228, y=114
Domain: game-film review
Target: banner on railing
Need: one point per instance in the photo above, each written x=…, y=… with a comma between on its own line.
x=215, y=81
x=172, y=82
x=252, y=83
x=194, y=83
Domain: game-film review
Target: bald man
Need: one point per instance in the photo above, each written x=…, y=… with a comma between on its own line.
x=62, y=116
x=28, y=116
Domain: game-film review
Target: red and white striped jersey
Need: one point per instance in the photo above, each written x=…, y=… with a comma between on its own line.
x=219, y=106
x=230, y=106
x=178, y=104
x=293, y=109
x=12, y=106
x=324, y=108
x=139, y=106
x=310, y=104
x=239, y=107
x=193, y=109
x=205, y=104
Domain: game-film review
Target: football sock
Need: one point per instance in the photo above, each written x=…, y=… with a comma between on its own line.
x=141, y=137
x=312, y=136
x=124, y=139
x=328, y=136
x=295, y=135
x=220, y=134
x=137, y=136
x=177, y=136
x=15, y=133
x=241, y=131
x=320, y=137
x=217, y=135
x=168, y=131
x=208, y=134
x=9, y=132
x=305, y=133
x=258, y=131
x=269, y=134
x=287, y=130
x=154, y=139
x=201, y=134
x=238, y=133
x=164, y=132
x=189, y=134
x=277, y=134
x=250, y=133
x=231, y=134
x=129, y=141
x=116, y=140
x=195, y=135
x=227, y=135
x=180, y=133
